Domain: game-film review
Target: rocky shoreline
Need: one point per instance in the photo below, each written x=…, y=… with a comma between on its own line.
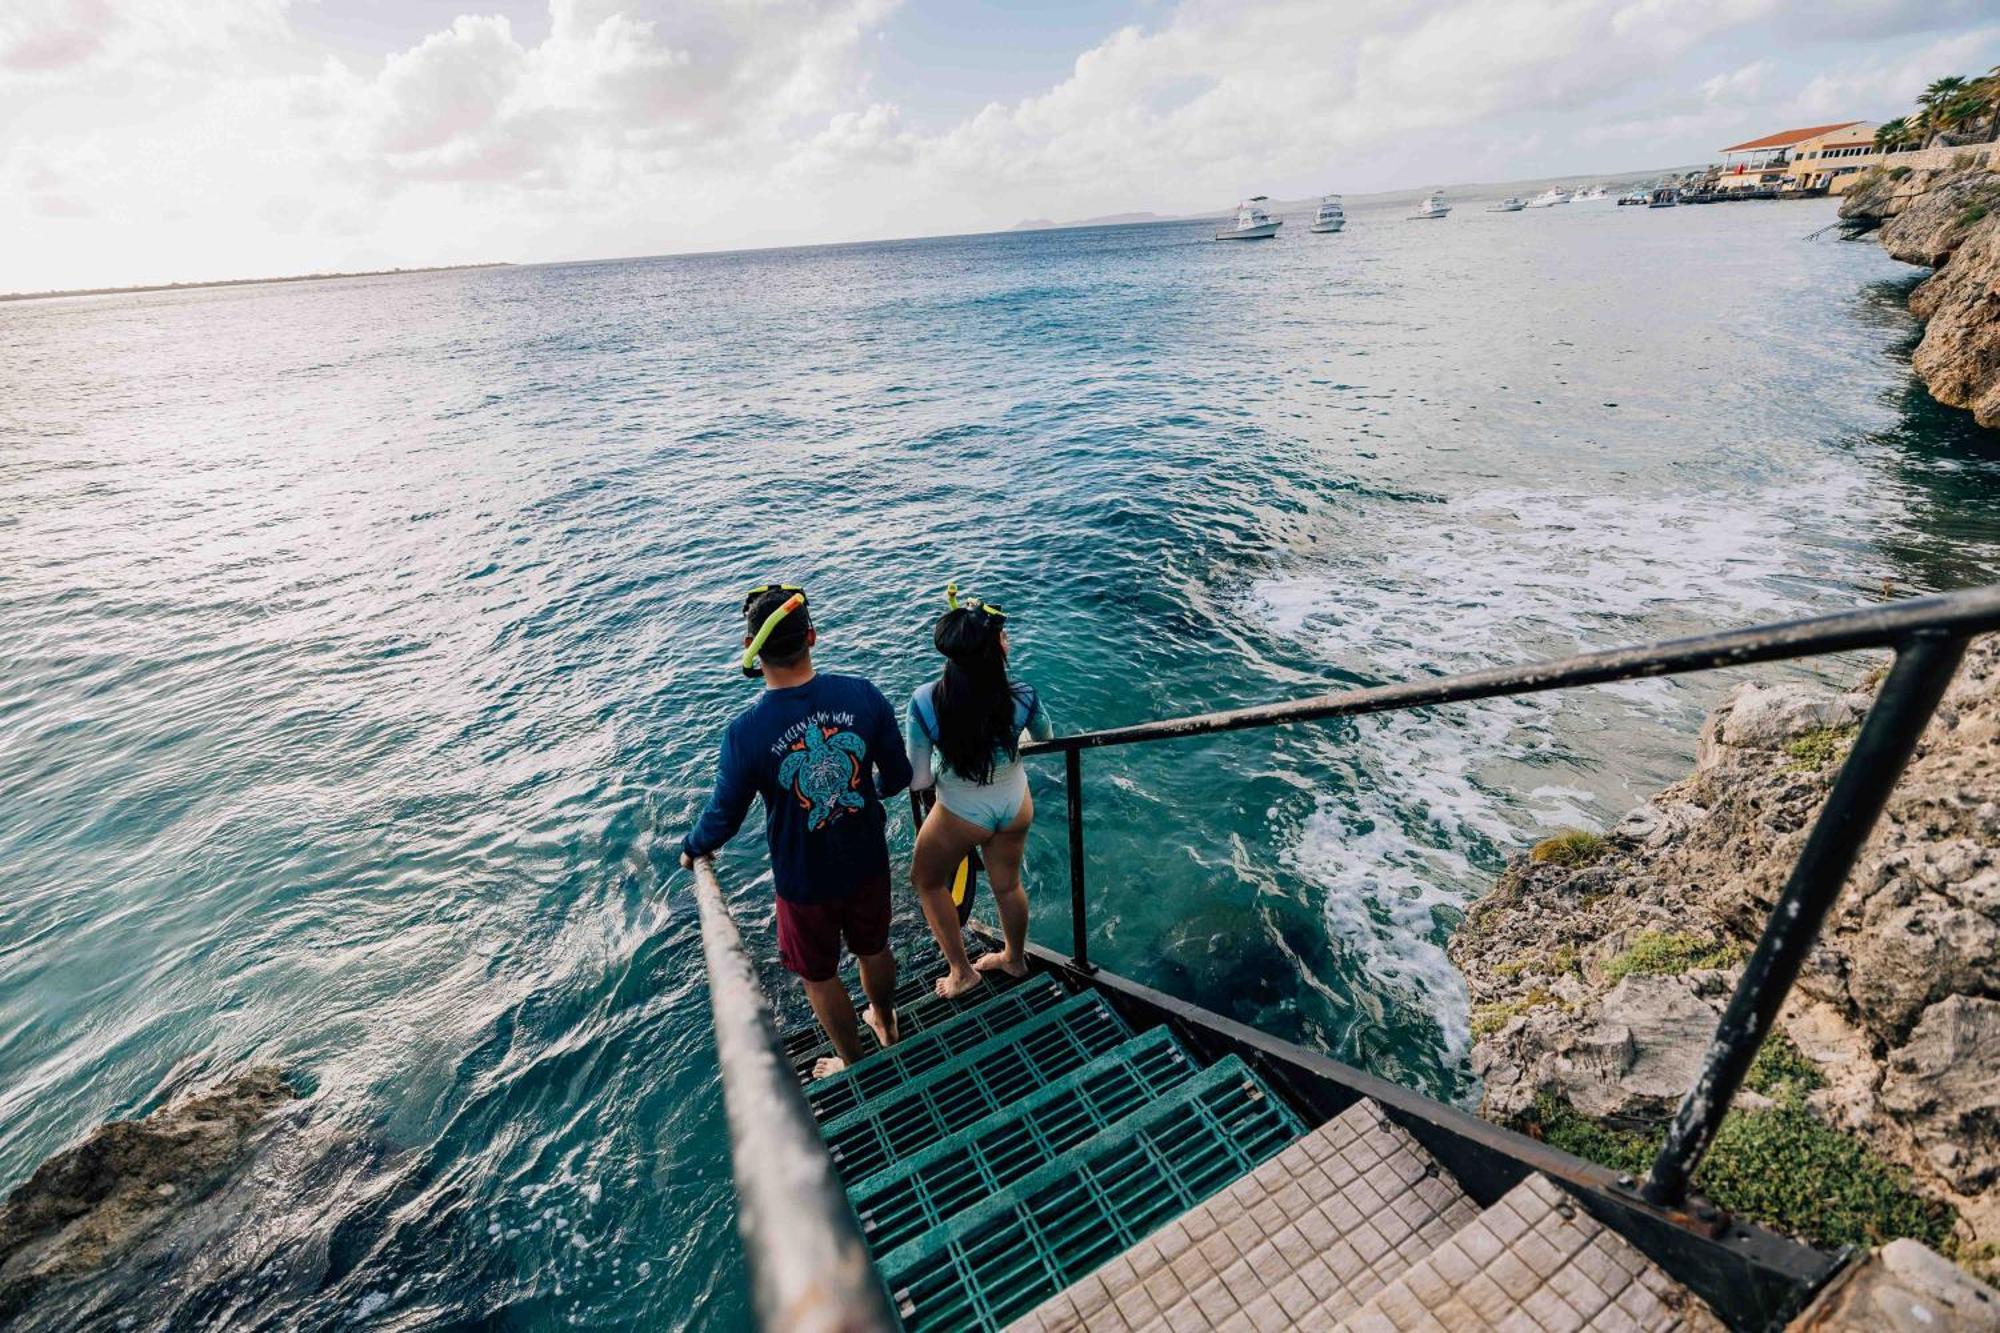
x=1947, y=221
x=1599, y=964
x=90, y=1206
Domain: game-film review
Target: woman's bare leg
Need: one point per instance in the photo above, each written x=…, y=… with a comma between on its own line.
x=1010, y=900
x=942, y=842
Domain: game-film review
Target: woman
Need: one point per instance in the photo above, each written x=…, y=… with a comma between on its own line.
x=965, y=737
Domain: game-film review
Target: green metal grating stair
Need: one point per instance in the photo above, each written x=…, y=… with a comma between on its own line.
x=914, y=1057
x=918, y=1007
x=974, y=1083
x=1019, y=1137
x=905, y=1200
x=1003, y=1256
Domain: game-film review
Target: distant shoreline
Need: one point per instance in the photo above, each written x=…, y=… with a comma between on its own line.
x=243, y=282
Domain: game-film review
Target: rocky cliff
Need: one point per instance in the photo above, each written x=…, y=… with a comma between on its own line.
x=1598, y=967
x=89, y=1205
x=1948, y=221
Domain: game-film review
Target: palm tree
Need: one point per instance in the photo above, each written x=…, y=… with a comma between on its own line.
x=1941, y=94
x=1892, y=134
x=1987, y=89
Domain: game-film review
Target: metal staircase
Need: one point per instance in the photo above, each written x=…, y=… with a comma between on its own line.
x=1024, y=1160
x=1006, y=1149
x=1075, y=1150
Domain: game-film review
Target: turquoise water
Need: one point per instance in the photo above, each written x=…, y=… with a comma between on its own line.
x=367, y=644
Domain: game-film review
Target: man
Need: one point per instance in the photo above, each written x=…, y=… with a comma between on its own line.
x=822, y=750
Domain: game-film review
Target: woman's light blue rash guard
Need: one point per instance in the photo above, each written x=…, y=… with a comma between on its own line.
x=992, y=805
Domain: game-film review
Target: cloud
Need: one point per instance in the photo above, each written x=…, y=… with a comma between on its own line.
x=1873, y=81
x=210, y=137
x=38, y=36
x=44, y=38
x=1738, y=85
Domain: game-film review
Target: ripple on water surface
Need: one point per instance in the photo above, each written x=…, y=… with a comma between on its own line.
x=368, y=644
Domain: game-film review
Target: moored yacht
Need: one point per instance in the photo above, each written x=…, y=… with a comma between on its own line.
x=1663, y=196
x=1433, y=207
x=1511, y=204
x=1550, y=197
x=1595, y=192
x=1330, y=215
x=1253, y=223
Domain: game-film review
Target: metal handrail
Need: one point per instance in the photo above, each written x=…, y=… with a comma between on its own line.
x=809, y=1268
x=1971, y=612
x=1928, y=635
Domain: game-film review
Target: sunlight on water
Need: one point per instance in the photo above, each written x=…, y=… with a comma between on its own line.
x=368, y=646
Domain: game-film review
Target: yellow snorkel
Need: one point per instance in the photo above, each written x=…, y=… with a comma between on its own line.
x=771, y=622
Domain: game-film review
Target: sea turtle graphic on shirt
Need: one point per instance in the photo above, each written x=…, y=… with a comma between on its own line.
x=823, y=771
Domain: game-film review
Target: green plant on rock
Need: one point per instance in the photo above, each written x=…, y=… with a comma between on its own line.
x=1557, y=1123
x=1782, y=1072
x=1670, y=953
x=1789, y=1170
x=1818, y=748
x=1571, y=848
x=1488, y=1019
x=1780, y=1167
x=1897, y=173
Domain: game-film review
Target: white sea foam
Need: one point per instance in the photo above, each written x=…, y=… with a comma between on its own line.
x=1497, y=577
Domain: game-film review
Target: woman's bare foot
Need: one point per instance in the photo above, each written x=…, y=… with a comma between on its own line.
x=997, y=962
x=954, y=984
x=884, y=1037
x=828, y=1065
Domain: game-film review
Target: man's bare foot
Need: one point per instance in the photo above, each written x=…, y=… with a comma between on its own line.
x=954, y=984
x=884, y=1037
x=997, y=962
x=827, y=1065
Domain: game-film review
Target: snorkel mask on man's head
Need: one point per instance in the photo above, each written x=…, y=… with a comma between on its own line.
x=781, y=625
x=970, y=632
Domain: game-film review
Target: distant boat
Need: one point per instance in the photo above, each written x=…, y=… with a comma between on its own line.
x=1511, y=204
x=1433, y=207
x=1549, y=198
x=1252, y=222
x=1595, y=192
x=1638, y=197
x=1664, y=196
x=1331, y=216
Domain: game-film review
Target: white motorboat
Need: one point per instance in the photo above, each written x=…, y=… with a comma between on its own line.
x=1590, y=195
x=1330, y=216
x=1252, y=222
x=1549, y=198
x=1433, y=207
x=1511, y=204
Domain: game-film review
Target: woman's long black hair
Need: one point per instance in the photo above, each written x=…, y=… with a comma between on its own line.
x=974, y=700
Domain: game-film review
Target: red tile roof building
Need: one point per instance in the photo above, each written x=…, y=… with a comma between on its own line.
x=1786, y=138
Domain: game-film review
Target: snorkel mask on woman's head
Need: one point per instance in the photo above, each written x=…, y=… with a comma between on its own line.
x=970, y=632
x=775, y=602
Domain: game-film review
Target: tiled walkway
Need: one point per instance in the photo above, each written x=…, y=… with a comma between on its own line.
x=1356, y=1227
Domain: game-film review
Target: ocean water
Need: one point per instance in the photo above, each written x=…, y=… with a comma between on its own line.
x=367, y=645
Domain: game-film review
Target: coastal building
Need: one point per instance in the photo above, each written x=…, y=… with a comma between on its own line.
x=1831, y=162
x=1769, y=162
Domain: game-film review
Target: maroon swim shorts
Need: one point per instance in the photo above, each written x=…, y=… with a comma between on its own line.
x=810, y=934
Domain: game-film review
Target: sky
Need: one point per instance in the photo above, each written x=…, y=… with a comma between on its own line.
x=183, y=140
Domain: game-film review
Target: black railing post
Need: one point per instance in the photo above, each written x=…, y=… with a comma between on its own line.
x=1079, y=924
x=1889, y=734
